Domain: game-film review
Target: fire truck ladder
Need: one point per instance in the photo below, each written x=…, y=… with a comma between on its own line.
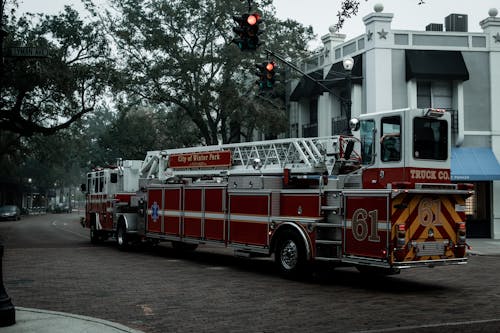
x=300, y=155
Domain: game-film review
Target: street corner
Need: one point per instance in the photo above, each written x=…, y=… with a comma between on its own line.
x=44, y=321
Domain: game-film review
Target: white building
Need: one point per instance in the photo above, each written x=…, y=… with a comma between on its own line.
x=449, y=68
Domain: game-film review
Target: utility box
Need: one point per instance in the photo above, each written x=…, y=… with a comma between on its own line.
x=434, y=27
x=456, y=22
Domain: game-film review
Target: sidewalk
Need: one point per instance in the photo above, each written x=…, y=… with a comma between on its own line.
x=42, y=321
x=484, y=246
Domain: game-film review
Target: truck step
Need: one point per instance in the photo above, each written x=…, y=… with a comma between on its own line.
x=329, y=242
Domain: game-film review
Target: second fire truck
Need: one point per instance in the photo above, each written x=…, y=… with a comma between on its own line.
x=380, y=200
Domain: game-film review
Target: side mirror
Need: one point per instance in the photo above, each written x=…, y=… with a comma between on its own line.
x=257, y=164
x=83, y=188
x=354, y=124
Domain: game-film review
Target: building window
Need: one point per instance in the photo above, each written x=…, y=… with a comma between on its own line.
x=339, y=125
x=424, y=94
x=294, y=130
x=313, y=111
x=310, y=130
x=470, y=205
x=435, y=94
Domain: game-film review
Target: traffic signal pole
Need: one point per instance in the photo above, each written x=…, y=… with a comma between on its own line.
x=292, y=66
x=346, y=101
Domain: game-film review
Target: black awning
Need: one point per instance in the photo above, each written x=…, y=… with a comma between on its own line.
x=336, y=74
x=435, y=65
x=307, y=87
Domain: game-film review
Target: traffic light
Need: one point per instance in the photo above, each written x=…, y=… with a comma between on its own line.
x=247, y=31
x=266, y=75
x=241, y=38
x=254, y=31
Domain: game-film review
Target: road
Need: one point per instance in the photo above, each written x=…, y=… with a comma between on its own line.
x=50, y=264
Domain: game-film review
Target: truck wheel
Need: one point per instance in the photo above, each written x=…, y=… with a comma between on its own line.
x=290, y=255
x=122, y=239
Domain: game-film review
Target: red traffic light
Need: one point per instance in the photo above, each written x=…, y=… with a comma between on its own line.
x=270, y=66
x=252, y=19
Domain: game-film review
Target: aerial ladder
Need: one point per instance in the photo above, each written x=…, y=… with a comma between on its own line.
x=301, y=156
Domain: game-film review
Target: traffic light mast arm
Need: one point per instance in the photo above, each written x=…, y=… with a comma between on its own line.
x=292, y=66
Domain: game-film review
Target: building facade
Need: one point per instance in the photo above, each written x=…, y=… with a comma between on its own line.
x=441, y=67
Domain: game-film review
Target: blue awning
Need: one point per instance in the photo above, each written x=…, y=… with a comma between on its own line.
x=474, y=164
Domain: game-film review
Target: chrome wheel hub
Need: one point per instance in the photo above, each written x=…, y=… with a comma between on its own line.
x=289, y=255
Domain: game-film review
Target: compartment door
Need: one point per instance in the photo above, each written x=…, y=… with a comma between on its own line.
x=173, y=211
x=366, y=225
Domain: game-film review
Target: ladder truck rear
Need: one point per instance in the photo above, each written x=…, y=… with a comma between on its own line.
x=380, y=200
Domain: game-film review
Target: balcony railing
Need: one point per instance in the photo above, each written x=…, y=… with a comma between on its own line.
x=310, y=130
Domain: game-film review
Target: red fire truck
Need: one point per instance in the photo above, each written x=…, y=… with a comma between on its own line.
x=380, y=199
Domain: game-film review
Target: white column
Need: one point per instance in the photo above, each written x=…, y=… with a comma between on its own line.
x=325, y=114
x=378, y=71
x=356, y=97
x=491, y=27
x=495, y=135
x=411, y=88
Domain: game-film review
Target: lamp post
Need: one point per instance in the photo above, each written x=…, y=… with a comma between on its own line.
x=348, y=64
x=30, y=203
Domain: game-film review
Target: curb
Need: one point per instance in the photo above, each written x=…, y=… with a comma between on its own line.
x=37, y=320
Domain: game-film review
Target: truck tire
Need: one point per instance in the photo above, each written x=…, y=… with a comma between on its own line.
x=122, y=239
x=290, y=255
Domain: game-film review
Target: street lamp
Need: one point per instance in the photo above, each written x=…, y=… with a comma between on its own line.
x=30, y=203
x=348, y=64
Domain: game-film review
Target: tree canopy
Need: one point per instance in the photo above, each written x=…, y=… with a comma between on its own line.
x=138, y=76
x=178, y=54
x=44, y=95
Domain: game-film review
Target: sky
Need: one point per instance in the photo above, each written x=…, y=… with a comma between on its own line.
x=321, y=14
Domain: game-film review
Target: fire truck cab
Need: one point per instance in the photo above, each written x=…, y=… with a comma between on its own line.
x=406, y=213
x=108, y=202
x=405, y=146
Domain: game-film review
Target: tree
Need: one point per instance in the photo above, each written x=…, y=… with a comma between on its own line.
x=135, y=131
x=178, y=54
x=47, y=95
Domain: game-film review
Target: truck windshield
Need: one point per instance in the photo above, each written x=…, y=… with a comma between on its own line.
x=430, y=139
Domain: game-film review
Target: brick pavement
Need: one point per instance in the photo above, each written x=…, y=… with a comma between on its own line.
x=160, y=291
x=207, y=291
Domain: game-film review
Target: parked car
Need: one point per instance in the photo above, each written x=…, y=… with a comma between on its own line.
x=10, y=212
x=61, y=208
